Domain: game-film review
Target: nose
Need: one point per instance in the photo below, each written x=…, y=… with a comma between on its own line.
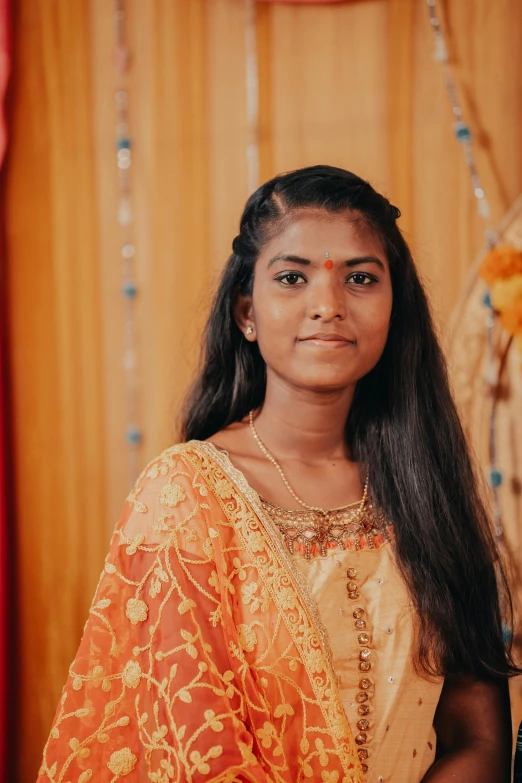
x=327, y=301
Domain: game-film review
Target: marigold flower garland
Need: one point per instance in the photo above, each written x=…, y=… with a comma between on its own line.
x=502, y=271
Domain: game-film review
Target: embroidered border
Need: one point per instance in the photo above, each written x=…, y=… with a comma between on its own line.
x=340, y=728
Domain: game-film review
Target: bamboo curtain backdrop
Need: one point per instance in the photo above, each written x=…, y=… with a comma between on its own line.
x=348, y=84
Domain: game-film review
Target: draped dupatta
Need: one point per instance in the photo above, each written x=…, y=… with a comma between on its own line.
x=203, y=658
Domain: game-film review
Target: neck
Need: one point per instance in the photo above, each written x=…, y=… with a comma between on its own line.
x=303, y=424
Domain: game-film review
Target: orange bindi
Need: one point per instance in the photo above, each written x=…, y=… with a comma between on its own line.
x=328, y=264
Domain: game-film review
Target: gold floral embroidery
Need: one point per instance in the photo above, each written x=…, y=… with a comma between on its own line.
x=329, y=777
x=215, y=724
x=201, y=664
x=156, y=470
x=131, y=674
x=247, y=637
x=171, y=495
x=139, y=507
x=200, y=762
x=122, y=762
x=267, y=735
x=137, y=610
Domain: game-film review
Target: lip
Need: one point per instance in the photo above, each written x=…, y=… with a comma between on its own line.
x=328, y=337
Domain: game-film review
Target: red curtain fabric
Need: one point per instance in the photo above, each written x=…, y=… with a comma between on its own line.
x=4, y=76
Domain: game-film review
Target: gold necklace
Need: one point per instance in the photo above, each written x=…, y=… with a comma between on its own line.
x=276, y=464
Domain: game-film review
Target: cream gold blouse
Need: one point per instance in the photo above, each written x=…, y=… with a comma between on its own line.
x=365, y=607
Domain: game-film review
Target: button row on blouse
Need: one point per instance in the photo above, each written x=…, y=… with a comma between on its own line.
x=365, y=683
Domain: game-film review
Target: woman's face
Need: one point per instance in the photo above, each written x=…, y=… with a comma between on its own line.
x=321, y=302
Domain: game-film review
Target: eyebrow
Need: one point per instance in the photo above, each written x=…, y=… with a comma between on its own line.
x=306, y=261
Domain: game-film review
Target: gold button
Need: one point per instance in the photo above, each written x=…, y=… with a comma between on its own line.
x=351, y=573
x=363, y=724
x=352, y=585
x=361, y=738
x=365, y=666
x=365, y=683
x=362, y=753
x=363, y=709
x=358, y=613
x=364, y=768
x=361, y=697
x=360, y=623
x=363, y=638
x=364, y=655
x=353, y=595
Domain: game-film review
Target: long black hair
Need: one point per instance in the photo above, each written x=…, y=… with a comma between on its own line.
x=403, y=423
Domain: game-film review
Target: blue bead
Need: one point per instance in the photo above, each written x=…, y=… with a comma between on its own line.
x=486, y=300
x=495, y=478
x=507, y=634
x=129, y=289
x=133, y=435
x=462, y=132
x=123, y=143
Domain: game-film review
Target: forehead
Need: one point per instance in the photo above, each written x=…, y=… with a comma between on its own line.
x=313, y=232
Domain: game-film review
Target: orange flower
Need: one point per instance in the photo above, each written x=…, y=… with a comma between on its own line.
x=500, y=263
x=506, y=294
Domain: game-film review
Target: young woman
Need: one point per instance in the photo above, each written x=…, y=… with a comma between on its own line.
x=305, y=588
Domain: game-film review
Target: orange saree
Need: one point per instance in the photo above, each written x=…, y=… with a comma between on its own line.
x=203, y=658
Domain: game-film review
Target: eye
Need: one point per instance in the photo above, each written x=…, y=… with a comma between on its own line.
x=291, y=279
x=361, y=278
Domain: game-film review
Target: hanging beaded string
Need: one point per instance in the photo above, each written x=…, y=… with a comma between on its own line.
x=270, y=457
x=252, y=97
x=129, y=288
x=464, y=137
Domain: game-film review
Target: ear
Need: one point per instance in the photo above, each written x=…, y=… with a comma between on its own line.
x=244, y=316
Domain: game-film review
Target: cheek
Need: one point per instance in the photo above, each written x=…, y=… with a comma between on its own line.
x=275, y=315
x=373, y=322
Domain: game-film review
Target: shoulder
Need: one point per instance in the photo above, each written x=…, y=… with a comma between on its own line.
x=182, y=461
x=170, y=492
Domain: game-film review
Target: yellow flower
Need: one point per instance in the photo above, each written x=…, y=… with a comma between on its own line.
x=507, y=293
x=131, y=674
x=247, y=637
x=500, y=263
x=171, y=495
x=122, y=762
x=137, y=610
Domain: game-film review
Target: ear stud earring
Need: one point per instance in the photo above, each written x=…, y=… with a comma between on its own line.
x=328, y=264
x=250, y=330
